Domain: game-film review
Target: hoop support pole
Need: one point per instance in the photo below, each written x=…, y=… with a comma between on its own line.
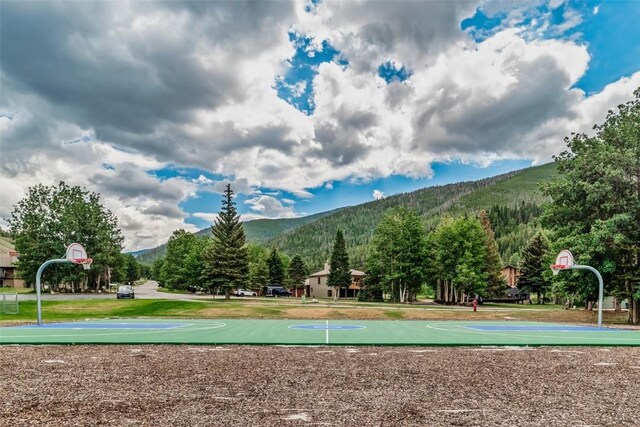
x=600, y=287
x=38, y=277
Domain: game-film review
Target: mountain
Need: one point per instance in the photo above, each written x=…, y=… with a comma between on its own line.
x=512, y=200
x=258, y=231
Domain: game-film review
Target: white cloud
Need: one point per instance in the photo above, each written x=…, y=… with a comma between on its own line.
x=269, y=207
x=202, y=96
x=377, y=195
x=596, y=9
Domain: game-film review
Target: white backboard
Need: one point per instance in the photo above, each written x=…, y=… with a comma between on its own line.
x=565, y=258
x=75, y=252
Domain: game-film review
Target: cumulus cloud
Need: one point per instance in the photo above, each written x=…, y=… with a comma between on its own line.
x=270, y=207
x=377, y=195
x=129, y=94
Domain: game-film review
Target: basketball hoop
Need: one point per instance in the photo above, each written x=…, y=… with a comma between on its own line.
x=555, y=268
x=86, y=262
x=78, y=255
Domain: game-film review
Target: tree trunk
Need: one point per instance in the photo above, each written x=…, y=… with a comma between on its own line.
x=538, y=295
x=227, y=293
x=634, y=311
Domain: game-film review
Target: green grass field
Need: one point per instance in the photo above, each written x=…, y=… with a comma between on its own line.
x=293, y=309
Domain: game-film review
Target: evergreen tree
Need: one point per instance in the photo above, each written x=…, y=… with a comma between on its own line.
x=258, y=269
x=297, y=272
x=226, y=257
x=534, y=268
x=339, y=271
x=496, y=285
x=276, y=268
x=595, y=204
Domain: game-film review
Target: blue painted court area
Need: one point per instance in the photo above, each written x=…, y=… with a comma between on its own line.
x=540, y=328
x=129, y=325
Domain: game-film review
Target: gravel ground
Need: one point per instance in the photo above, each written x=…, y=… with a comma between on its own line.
x=334, y=386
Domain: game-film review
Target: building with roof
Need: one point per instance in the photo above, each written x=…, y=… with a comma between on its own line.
x=318, y=287
x=510, y=274
x=8, y=273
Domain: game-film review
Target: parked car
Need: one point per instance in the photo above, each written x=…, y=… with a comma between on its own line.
x=275, y=291
x=245, y=293
x=125, y=291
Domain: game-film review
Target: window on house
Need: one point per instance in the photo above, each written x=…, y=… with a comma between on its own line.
x=318, y=280
x=329, y=293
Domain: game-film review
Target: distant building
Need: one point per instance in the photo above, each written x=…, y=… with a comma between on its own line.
x=8, y=273
x=318, y=284
x=510, y=274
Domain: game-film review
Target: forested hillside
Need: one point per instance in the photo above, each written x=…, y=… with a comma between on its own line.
x=512, y=200
x=258, y=231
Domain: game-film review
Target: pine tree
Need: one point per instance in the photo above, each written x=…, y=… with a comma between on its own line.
x=533, y=269
x=297, y=272
x=227, y=256
x=339, y=271
x=496, y=284
x=276, y=268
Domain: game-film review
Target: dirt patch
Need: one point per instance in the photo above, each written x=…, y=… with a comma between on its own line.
x=337, y=386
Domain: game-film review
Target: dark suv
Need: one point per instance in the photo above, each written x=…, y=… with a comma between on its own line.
x=275, y=291
x=125, y=291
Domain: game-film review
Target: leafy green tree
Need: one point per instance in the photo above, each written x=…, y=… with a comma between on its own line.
x=276, y=268
x=397, y=255
x=258, y=269
x=156, y=270
x=595, y=204
x=534, y=268
x=297, y=272
x=131, y=268
x=339, y=271
x=174, y=269
x=496, y=284
x=457, y=260
x=226, y=257
x=48, y=219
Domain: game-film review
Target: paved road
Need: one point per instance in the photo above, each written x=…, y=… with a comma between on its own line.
x=149, y=290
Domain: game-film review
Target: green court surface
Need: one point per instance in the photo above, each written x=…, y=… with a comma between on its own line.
x=319, y=332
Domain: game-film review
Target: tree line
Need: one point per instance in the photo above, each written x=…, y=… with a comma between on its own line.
x=49, y=218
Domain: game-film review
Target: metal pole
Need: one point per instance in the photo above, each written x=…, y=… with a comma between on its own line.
x=38, y=276
x=600, y=290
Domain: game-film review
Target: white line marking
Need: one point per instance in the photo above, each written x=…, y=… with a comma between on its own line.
x=327, y=334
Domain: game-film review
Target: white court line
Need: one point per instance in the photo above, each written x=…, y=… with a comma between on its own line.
x=477, y=332
x=327, y=334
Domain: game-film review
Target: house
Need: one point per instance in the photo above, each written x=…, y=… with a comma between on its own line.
x=510, y=274
x=318, y=284
x=8, y=273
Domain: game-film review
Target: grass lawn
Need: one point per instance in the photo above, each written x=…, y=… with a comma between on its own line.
x=16, y=291
x=290, y=309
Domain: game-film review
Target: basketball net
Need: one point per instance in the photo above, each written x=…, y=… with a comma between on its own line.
x=86, y=262
x=556, y=268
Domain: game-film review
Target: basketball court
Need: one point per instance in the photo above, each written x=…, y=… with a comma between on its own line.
x=321, y=332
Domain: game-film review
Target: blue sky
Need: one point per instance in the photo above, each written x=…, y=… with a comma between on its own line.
x=303, y=106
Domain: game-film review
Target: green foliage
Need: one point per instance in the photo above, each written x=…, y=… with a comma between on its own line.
x=258, y=269
x=226, y=257
x=276, y=268
x=517, y=192
x=339, y=271
x=184, y=266
x=457, y=259
x=534, y=268
x=297, y=271
x=396, y=262
x=496, y=284
x=595, y=203
x=48, y=219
